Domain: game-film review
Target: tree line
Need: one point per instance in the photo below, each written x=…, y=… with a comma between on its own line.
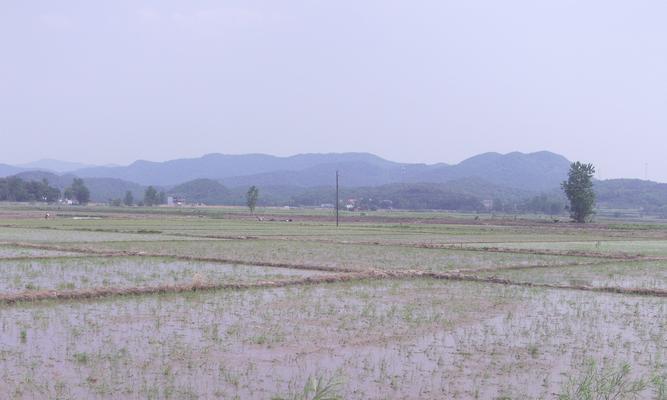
x=151, y=198
x=16, y=189
x=578, y=189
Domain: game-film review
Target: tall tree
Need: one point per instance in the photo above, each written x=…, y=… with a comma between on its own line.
x=151, y=197
x=48, y=193
x=78, y=191
x=129, y=198
x=16, y=189
x=251, y=198
x=579, y=190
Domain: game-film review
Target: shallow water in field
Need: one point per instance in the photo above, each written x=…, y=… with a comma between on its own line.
x=633, y=247
x=88, y=272
x=644, y=275
x=341, y=255
x=385, y=339
x=12, y=251
x=70, y=236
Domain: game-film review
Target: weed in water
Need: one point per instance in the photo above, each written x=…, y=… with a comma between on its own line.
x=598, y=383
x=317, y=388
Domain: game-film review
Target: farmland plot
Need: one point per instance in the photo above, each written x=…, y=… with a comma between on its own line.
x=92, y=272
x=402, y=339
x=639, y=274
x=7, y=252
x=337, y=255
x=151, y=304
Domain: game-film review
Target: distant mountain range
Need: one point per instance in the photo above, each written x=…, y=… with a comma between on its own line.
x=51, y=165
x=533, y=172
x=8, y=170
x=309, y=178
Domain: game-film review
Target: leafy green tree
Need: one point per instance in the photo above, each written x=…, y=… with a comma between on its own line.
x=15, y=189
x=251, y=198
x=151, y=197
x=48, y=193
x=579, y=190
x=38, y=191
x=78, y=191
x=129, y=198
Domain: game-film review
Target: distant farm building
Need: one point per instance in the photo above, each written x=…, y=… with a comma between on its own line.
x=488, y=204
x=174, y=201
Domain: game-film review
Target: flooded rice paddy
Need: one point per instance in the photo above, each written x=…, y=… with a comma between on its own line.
x=91, y=272
x=403, y=339
x=367, y=326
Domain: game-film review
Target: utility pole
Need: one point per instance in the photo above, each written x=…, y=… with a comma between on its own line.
x=337, y=201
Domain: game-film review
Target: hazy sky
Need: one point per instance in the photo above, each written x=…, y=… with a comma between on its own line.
x=416, y=81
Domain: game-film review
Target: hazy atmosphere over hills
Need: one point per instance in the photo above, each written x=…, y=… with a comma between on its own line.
x=308, y=179
x=333, y=200
x=533, y=172
x=413, y=82
x=421, y=92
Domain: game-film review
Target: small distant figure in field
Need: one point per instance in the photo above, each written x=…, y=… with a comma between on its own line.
x=47, y=215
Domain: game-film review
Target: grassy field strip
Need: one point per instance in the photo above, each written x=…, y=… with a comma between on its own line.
x=92, y=253
x=298, y=266
x=379, y=231
x=102, y=292
x=123, y=231
x=520, y=237
x=461, y=246
x=287, y=263
x=302, y=266
x=92, y=272
x=324, y=268
x=483, y=232
x=614, y=273
x=39, y=258
x=508, y=250
x=105, y=253
x=99, y=292
x=537, y=266
x=307, y=238
x=545, y=252
x=270, y=230
x=502, y=281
